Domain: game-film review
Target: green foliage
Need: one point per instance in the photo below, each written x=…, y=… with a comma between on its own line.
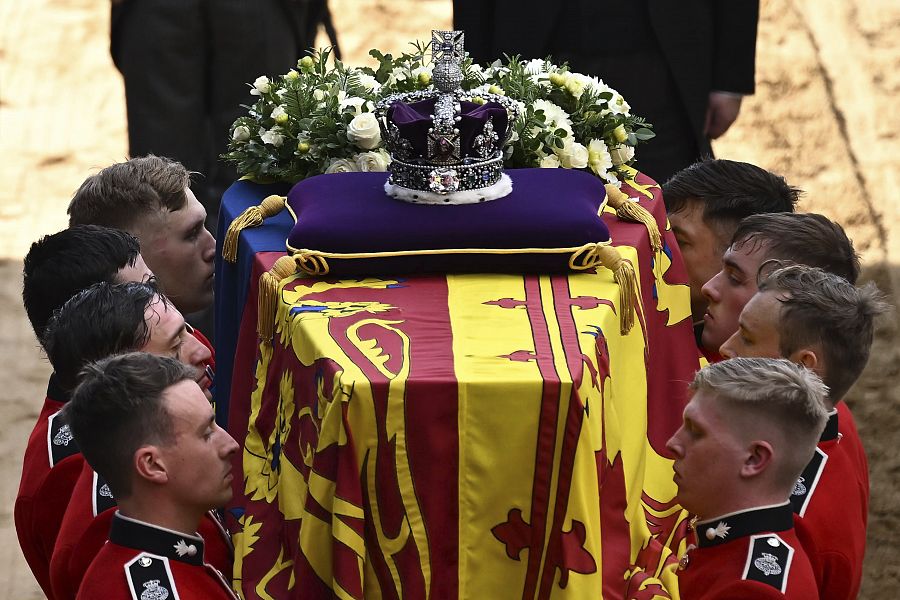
x=298, y=125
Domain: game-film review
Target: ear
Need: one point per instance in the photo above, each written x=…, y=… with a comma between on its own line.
x=150, y=464
x=806, y=357
x=759, y=457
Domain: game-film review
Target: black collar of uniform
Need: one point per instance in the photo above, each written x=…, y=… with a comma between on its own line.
x=831, y=427
x=728, y=527
x=55, y=390
x=139, y=535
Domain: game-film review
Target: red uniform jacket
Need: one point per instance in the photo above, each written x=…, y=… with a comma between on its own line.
x=51, y=465
x=144, y=561
x=752, y=554
x=831, y=503
x=86, y=527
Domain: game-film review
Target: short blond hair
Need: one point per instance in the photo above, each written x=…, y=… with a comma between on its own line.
x=788, y=397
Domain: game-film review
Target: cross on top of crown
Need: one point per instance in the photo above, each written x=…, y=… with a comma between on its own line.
x=447, y=46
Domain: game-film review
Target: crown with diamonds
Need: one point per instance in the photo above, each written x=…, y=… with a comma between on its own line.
x=445, y=148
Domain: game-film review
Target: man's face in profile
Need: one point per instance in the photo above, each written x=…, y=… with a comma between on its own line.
x=701, y=247
x=180, y=250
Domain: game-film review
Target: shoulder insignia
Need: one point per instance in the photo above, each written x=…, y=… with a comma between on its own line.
x=60, y=443
x=150, y=578
x=102, y=498
x=769, y=561
x=806, y=484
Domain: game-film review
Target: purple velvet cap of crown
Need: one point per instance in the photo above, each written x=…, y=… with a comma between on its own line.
x=548, y=208
x=414, y=120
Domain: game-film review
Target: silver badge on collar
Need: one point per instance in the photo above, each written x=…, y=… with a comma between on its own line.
x=768, y=564
x=63, y=436
x=154, y=591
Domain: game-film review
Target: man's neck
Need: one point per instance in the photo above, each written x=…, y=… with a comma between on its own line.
x=161, y=513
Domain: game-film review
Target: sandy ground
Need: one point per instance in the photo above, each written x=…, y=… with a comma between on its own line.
x=824, y=116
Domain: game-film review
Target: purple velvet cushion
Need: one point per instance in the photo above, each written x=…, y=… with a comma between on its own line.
x=350, y=213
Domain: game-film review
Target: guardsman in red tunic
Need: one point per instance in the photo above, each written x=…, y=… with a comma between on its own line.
x=99, y=321
x=86, y=528
x=146, y=561
x=748, y=431
x=57, y=267
x=51, y=466
x=824, y=322
x=147, y=428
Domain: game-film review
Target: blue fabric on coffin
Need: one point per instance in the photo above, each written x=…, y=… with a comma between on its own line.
x=536, y=229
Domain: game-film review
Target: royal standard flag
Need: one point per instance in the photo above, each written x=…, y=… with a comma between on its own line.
x=461, y=436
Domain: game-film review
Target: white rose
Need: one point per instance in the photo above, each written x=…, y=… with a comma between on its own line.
x=319, y=95
x=363, y=131
x=241, y=133
x=354, y=103
x=279, y=115
x=273, y=136
x=261, y=86
x=621, y=154
x=341, y=165
x=550, y=162
x=376, y=161
x=573, y=156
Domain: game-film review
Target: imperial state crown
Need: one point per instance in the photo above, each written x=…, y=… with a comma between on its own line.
x=446, y=148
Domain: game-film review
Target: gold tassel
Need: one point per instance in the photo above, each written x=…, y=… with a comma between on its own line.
x=267, y=308
x=252, y=217
x=623, y=274
x=628, y=210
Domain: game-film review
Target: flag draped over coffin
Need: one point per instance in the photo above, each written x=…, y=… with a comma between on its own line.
x=466, y=436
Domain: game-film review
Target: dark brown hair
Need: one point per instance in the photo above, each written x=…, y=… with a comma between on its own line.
x=118, y=407
x=826, y=311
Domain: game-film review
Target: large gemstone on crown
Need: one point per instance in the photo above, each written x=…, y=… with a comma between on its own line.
x=414, y=121
x=443, y=180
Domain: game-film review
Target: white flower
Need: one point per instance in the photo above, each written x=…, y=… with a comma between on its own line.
x=363, y=131
x=618, y=105
x=368, y=82
x=341, y=165
x=554, y=116
x=281, y=92
x=261, y=86
x=598, y=158
x=272, y=136
x=241, y=133
x=372, y=161
x=319, y=95
x=423, y=69
x=573, y=156
x=354, y=103
x=597, y=86
x=279, y=115
x=550, y=162
x=476, y=69
x=397, y=74
x=535, y=66
x=621, y=154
